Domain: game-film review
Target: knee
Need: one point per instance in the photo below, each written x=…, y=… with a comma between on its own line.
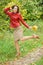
x=16, y=41
x=21, y=39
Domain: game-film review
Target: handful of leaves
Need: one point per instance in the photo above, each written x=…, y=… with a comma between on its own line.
x=34, y=28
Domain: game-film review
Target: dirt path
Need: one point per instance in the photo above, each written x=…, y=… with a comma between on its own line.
x=30, y=58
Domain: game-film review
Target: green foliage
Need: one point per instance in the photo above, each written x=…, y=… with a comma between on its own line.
x=30, y=9
x=34, y=11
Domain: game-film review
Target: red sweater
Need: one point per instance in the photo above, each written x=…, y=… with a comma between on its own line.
x=15, y=19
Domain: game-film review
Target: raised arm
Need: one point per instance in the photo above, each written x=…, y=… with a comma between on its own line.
x=6, y=10
x=23, y=22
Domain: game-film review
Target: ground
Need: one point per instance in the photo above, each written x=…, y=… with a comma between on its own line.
x=7, y=47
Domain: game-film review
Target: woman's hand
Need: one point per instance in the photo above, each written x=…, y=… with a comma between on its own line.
x=10, y=8
x=30, y=27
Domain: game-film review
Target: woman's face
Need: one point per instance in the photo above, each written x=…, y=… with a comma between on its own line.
x=15, y=9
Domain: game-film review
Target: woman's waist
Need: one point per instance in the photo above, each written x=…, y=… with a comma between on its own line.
x=15, y=26
x=18, y=27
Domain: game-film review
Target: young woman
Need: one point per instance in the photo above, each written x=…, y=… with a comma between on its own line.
x=15, y=22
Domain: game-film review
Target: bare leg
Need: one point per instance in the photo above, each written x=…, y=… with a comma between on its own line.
x=29, y=37
x=17, y=48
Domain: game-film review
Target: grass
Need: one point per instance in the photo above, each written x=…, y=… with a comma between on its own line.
x=7, y=47
x=39, y=62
